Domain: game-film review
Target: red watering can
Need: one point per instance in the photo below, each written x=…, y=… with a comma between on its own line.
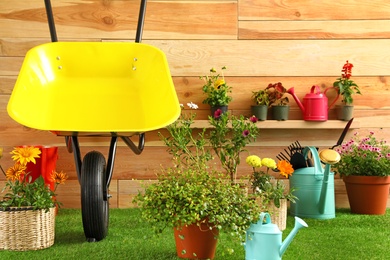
x=315, y=104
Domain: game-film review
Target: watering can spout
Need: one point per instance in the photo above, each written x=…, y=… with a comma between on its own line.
x=292, y=93
x=299, y=223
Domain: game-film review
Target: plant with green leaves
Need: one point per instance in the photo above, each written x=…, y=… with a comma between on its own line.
x=347, y=87
x=21, y=191
x=191, y=191
x=365, y=156
x=261, y=97
x=229, y=137
x=266, y=186
x=216, y=89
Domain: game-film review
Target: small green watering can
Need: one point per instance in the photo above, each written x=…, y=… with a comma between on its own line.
x=314, y=186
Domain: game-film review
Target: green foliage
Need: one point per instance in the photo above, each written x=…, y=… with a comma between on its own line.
x=261, y=97
x=182, y=197
x=228, y=138
x=365, y=157
x=26, y=193
x=216, y=89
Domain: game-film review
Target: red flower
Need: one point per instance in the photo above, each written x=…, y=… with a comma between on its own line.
x=347, y=70
x=245, y=133
x=217, y=113
x=253, y=119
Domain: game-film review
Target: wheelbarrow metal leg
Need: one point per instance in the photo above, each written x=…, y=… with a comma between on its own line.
x=77, y=156
x=111, y=160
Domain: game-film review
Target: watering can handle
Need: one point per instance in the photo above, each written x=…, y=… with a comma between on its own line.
x=316, y=88
x=318, y=170
x=267, y=218
x=337, y=97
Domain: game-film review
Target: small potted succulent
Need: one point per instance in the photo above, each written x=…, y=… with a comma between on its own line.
x=262, y=101
x=191, y=197
x=365, y=169
x=278, y=101
x=346, y=88
x=270, y=192
x=216, y=90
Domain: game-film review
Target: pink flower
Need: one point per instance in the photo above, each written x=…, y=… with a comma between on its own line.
x=217, y=113
x=245, y=133
x=253, y=119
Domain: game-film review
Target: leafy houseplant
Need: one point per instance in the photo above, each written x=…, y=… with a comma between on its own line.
x=228, y=138
x=278, y=100
x=216, y=89
x=365, y=168
x=261, y=99
x=191, y=192
x=345, y=85
x=264, y=185
x=21, y=191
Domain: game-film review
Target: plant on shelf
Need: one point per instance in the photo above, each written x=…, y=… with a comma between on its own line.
x=191, y=192
x=345, y=85
x=216, y=89
x=261, y=97
x=276, y=93
x=229, y=136
x=265, y=185
x=365, y=169
x=20, y=190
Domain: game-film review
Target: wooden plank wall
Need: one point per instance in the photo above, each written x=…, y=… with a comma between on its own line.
x=299, y=43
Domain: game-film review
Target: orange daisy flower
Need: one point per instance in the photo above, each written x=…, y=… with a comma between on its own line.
x=24, y=155
x=59, y=177
x=285, y=168
x=14, y=172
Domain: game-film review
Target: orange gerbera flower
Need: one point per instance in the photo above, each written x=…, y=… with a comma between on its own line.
x=25, y=154
x=285, y=168
x=59, y=177
x=14, y=172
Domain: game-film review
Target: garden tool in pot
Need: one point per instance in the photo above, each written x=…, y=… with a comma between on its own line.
x=264, y=239
x=315, y=104
x=314, y=186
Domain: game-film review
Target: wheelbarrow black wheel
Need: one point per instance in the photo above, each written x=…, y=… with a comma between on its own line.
x=94, y=199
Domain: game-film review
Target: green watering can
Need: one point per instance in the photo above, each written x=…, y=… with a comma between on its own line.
x=314, y=186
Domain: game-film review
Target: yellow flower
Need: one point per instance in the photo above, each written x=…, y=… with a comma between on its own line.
x=14, y=172
x=268, y=162
x=218, y=83
x=1, y=152
x=253, y=160
x=285, y=168
x=26, y=154
x=59, y=177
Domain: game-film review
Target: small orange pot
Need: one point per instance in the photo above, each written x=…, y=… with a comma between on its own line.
x=196, y=242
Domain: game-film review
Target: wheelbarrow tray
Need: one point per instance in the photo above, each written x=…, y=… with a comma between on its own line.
x=92, y=88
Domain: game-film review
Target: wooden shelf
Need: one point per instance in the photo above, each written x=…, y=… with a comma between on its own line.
x=292, y=124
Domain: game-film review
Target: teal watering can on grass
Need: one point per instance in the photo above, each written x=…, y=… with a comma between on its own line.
x=314, y=186
x=264, y=239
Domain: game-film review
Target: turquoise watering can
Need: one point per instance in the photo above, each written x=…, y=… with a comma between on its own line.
x=314, y=187
x=264, y=239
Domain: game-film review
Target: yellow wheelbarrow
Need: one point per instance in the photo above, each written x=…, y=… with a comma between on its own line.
x=113, y=89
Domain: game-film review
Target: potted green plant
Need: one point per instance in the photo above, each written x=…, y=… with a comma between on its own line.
x=261, y=99
x=346, y=88
x=278, y=101
x=26, y=201
x=216, y=90
x=192, y=198
x=229, y=136
x=365, y=169
x=270, y=192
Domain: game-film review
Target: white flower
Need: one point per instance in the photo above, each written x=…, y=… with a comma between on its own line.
x=192, y=105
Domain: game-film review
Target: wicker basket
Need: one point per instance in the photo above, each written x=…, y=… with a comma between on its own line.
x=278, y=215
x=24, y=229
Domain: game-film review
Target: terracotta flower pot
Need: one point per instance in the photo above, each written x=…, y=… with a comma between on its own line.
x=367, y=194
x=196, y=242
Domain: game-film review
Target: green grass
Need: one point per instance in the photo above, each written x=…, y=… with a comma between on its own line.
x=347, y=236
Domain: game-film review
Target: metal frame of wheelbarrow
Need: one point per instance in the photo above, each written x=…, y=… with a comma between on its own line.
x=93, y=173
